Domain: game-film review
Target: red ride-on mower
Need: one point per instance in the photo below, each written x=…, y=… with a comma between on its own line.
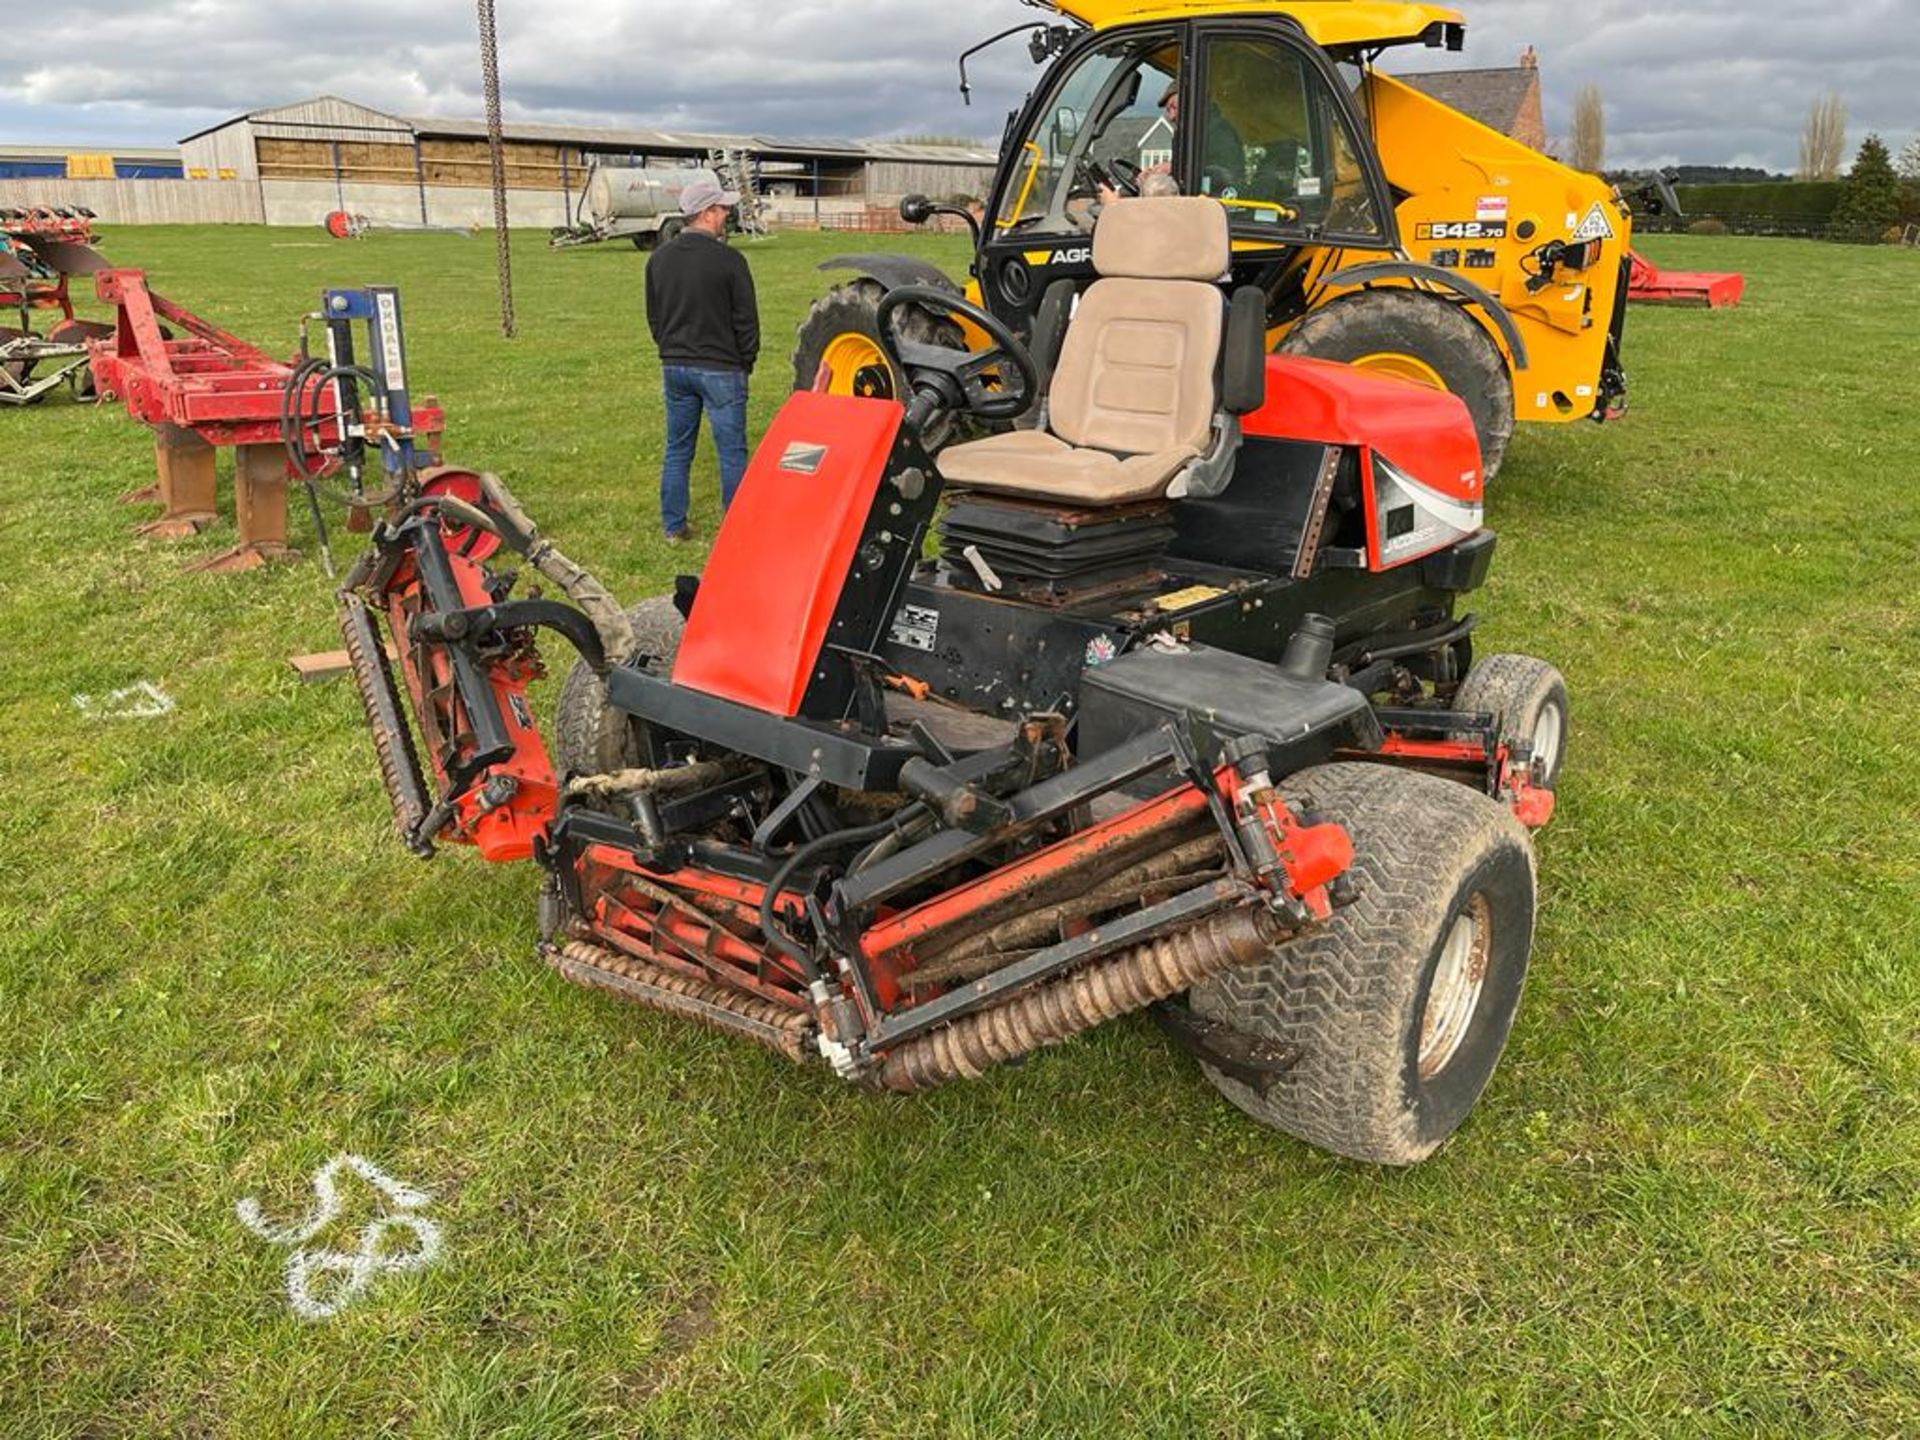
x=1181, y=716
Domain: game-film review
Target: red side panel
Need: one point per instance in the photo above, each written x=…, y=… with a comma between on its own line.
x=770, y=587
x=1424, y=432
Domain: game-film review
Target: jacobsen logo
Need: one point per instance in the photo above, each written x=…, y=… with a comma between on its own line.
x=803, y=459
x=1071, y=255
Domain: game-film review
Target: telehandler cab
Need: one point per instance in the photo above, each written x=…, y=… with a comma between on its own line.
x=1383, y=228
x=1184, y=714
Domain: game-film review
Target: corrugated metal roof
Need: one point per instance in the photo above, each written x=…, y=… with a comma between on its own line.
x=312, y=118
x=148, y=153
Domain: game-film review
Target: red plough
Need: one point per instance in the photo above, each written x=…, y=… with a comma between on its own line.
x=40, y=249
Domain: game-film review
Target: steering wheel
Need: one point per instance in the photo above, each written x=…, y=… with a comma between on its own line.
x=1118, y=174
x=944, y=378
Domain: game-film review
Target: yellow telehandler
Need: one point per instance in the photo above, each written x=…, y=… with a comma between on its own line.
x=1386, y=229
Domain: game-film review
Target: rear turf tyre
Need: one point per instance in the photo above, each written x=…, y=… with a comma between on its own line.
x=590, y=737
x=1416, y=336
x=1528, y=701
x=1401, y=1003
x=841, y=332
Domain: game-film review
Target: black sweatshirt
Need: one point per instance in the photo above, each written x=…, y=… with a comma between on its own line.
x=700, y=304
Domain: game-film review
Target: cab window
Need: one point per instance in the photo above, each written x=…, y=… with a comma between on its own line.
x=1105, y=122
x=1273, y=145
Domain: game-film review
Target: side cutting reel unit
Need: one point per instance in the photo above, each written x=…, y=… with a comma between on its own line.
x=1184, y=715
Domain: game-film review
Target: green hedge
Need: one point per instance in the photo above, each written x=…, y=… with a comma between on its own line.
x=1813, y=199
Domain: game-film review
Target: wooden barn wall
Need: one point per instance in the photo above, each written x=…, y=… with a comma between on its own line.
x=890, y=179
x=144, y=202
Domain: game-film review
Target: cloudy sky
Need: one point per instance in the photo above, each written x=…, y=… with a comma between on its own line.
x=1704, y=81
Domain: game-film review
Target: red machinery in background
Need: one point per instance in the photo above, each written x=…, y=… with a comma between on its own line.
x=202, y=389
x=1648, y=283
x=40, y=249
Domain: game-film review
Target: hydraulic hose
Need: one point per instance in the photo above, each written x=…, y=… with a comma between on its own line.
x=832, y=840
x=511, y=524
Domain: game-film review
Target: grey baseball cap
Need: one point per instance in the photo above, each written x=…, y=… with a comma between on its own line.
x=704, y=190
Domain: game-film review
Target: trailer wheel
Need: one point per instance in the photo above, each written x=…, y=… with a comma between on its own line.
x=1528, y=701
x=590, y=737
x=1411, y=335
x=645, y=240
x=841, y=332
x=1399, y=1006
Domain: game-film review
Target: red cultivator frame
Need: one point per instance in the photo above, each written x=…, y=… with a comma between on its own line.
x=202, y=389
x=1226, y=754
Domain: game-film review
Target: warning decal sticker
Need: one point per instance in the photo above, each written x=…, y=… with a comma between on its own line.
x=1595, y=226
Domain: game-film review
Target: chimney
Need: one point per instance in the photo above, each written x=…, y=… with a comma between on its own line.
x=1529, y=59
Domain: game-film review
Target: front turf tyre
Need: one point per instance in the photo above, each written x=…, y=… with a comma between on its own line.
x=1399, y=1006
x=1411, y=335
x=1528, y=701
x=842, y=333
x=590, y=737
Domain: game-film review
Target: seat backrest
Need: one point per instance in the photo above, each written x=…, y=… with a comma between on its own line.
x=1136, y=372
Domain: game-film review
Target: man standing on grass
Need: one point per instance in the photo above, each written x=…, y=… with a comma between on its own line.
x=701, y=310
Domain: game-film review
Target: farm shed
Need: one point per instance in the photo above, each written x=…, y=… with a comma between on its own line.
x=334, y=154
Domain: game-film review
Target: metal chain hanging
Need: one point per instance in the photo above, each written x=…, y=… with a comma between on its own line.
x=496, y=153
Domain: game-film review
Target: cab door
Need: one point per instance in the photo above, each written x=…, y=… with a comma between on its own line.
x=1098, y=115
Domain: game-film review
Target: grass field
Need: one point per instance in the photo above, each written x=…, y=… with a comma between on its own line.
x=1686, y=1206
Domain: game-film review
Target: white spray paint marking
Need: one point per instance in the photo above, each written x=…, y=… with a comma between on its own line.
x=356, y=1270
x=144, y=701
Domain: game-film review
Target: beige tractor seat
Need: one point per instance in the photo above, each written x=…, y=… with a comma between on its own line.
x=1133, y=400
x=1036, y=464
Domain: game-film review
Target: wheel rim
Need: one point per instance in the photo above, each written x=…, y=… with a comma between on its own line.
x=1402, y=367
x=855, y=366
x=1549, y=729
x=1458, y=979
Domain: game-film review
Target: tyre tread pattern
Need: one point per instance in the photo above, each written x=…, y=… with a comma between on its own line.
x=1340, y=992
x=591, y=738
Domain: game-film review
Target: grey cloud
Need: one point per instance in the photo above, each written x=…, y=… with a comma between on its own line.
x=1715, y=80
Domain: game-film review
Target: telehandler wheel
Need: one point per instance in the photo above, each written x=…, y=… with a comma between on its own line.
x=1528, y=701
x=1399, y=1006
x=842, y=332
x=590, y=737
x=1411, y=335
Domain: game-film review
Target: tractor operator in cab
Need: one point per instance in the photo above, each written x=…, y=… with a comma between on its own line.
x=706, y=324
x=1224, y=157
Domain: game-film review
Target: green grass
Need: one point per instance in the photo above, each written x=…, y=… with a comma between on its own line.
x=1686, y=1206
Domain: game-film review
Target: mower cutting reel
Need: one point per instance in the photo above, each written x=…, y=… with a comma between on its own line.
x=1152, y=724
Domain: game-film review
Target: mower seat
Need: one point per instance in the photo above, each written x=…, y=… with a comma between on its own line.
x=1133, y=398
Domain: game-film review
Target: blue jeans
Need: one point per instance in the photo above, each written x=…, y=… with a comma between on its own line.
x=723, y=395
